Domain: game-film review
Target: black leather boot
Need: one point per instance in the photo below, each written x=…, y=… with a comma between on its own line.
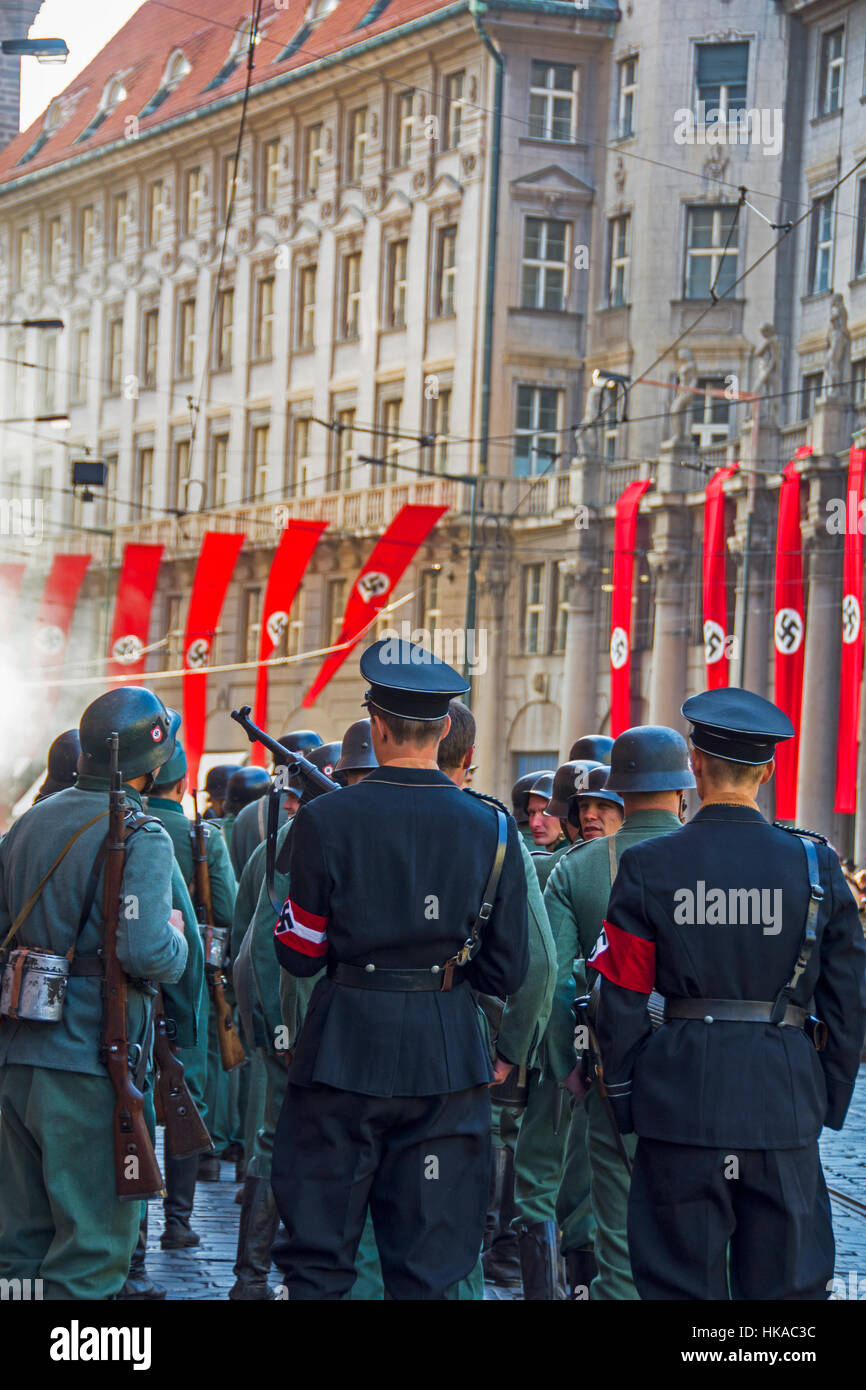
x=539, y=1261
x=580, y=1270
x=180, y=1180
x=139, y=1286
x=259, y=1222
x=208, y=1168
x=501, y=1260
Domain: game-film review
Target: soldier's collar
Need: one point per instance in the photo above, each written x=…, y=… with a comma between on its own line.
x=165, y=803
x=422, y=764
x=87, y=783
x=731, y=799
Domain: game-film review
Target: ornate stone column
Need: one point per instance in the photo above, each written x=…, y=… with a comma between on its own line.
x=818, y=723
x=579, y=574
x=750, y=668
x=488, y=686
x=668, y=563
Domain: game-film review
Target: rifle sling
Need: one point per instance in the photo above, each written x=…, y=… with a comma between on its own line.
x=37, y=892
x=271, y=852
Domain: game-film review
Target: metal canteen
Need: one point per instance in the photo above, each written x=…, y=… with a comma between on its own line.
x=34, y=986
x=215, y=953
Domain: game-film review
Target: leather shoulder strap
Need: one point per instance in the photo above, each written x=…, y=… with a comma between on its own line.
x=810, y=931
x=612, y=859
x=37, y=892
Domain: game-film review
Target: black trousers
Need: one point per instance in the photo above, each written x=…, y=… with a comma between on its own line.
x=421, y=1164
x=699, y=1218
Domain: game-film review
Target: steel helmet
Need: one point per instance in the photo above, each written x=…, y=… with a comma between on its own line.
x=298, y=741
x=357, y=749
x=542, y=786
x=325, y=758
x=520, y=793
x=174, y=769
x=569, y=780
x=593, y=747
x=650, y=758
x=63, y=758
x=244, y=786
x=597, y=788
x=218, y=779
x=146, y=732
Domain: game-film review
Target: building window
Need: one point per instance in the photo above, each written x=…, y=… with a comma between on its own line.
x=155, y=210
x=144, y=484
x=722, y=69
x=810, y=389
x=315, y=153
x=710, y=414
x=440, y=427
x=228, y=184
x=115, y=353
x=23, y=256
x=301, y=435
x=218, y=470
x=264, y=340
x=860, y=232
x=224, y=330
x=453, y=110
x=270, y=174
x=357, y=144
x=150, y=334
x=174, y=631
x=398, y=255
x=48, y=391
x=618, y=258
x=192, y=201
x=87, y=233
x=186, y=337
x=344, y=450
x=335, y=603
x=820, y=245
x=830, y=78
x=119, y=224
x=553, y=102
x=82, y=365
x=430, y=611
x=405, y=128
x=627, y=106
x=560, y=612
x=179, y=481
x=533, y=609
x=712, y=249
x=306, y=306
x=858, y=381
x=350, y=297
x=258, y=469
x=55, y=246
x=251, y=625
x=392, y=444
x=536, y=443
x=446, y=270
x=545, y=256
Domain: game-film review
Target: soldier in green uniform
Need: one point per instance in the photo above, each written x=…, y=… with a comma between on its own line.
x=244, y=787
x=519, y=795
x=251, y=823
x=650, y=771
x=59, y=1218
x=62, y=770
x=165, y=804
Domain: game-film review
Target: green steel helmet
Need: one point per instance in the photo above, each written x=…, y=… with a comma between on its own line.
x=245, y=785
x=357, y=748
x=594, y=747
x=570, y=779
x=218, y=779
x=146, y=732
x=597, y=788
x=542, y=786
x=298, y=741
x=520, y=793
x=63, y=758
x=650, y=758
x=174, y=769
x=325, y=758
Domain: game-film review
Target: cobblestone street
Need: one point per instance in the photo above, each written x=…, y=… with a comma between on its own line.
x=206, y=1271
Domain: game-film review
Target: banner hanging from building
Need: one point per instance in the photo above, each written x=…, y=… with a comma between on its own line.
x=297, y=543
x=625, y=530
x=851, y=673
x=135, y=590
x=715, y=580
x=11, y=579
x=54, y=616
x=216, y=562
x=789, y=632
x=375, y=583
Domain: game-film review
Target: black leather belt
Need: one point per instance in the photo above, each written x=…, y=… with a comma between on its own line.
x=733, y=1011
x=375, y=977
x=85, y=966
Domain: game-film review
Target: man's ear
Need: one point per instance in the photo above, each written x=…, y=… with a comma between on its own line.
x=467, y=757
x=767, y=771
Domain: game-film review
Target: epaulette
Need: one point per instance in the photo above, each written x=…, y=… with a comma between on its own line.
x=540, y=853
x=139, y=820
x=578, y=844
x=485, y=796
x=796, y=830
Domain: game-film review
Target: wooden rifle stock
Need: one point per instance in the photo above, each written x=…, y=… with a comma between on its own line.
x=185, y=1130
x=231, y=1048
x=136, y=1172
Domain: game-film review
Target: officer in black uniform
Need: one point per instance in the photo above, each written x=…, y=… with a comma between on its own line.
x=743, y=927
x=388, y=1104
x=62, y=770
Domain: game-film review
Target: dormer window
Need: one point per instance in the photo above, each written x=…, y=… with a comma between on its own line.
x=239, y=50
x=114, y=94
x=53, y=121
x=319, y=8
x=176, y=70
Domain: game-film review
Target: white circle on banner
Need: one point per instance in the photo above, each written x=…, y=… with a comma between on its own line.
x=788, y=631
x=276, y=625
x=197, y=653
x=851, y=618
x=127, y=649
x=372, y=584
x=618, y=648
x=714, y=641
x=50, y=640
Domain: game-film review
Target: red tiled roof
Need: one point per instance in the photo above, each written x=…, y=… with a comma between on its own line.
x=204, y=31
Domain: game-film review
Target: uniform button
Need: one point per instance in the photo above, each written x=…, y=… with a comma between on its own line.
x=708, y=1018
x=369, y=967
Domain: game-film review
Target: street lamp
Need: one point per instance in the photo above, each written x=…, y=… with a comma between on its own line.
x=43, y=50
x=58, y=422
x=32, y=323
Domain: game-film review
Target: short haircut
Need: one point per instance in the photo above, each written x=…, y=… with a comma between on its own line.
x=459, y=738
x=721, y=770
x=416, y=731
